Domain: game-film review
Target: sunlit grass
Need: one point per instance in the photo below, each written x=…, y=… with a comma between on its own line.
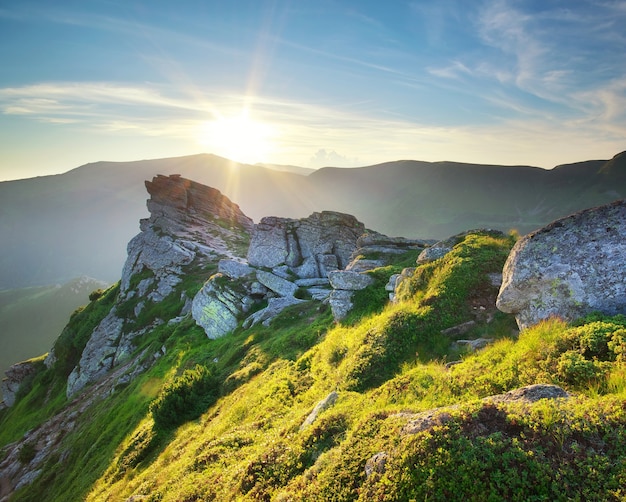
x=389, y=364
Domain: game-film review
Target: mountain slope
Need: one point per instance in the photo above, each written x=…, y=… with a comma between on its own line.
x=78, y=223
x=304, y=408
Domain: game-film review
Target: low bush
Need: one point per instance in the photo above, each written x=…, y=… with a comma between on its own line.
x=185, y=398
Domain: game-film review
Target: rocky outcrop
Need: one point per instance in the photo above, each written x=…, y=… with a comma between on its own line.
x=188, y=222
x=526, y=395
x=14, y=378
x=190, y=226
x=569, y=268
x=309, y=247
x=373, y=250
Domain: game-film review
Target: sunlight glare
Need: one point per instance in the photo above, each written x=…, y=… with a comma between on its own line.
x=237, y=138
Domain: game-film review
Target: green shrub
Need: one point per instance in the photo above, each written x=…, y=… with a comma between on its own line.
x=94, y=295
x=185, y=398
x=27, y=453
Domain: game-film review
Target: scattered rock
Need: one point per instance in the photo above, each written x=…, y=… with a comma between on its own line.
x=234, y=269
x=459, y=329
x=348, y=280
x=340, y=301
x=274, y=307
x=569, y=268
x=530, y=394
x=280, y=286
x=15, y=376
x=324, y=404
x=473, y=345
x=376, y=464
x=439, y=416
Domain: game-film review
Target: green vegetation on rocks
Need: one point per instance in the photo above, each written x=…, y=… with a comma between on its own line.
x=252, y=391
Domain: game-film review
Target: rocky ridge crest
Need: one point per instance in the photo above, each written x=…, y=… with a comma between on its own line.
x=195, y=230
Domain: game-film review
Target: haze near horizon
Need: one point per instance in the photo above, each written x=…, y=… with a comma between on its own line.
x=312, y=84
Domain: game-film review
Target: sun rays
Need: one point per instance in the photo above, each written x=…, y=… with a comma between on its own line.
x=238, y=137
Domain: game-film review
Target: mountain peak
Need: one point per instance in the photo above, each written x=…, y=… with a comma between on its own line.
x=175, y=200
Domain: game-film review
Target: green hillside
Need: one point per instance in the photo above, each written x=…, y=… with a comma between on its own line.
x=229, y=419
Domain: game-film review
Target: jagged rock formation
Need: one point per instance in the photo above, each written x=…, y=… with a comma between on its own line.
x=190, y=226
x=188, y=221
x=280, y=261
x=569, y=268
x=309, y=247
x=15, y=376
x=287, y=258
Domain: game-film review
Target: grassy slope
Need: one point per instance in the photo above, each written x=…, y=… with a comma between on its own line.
x=383, y=363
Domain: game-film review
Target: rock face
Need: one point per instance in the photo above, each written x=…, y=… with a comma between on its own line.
x=15, y=376
x=280, y=261
x=309, y=247
x=188, y=222
x=190, y=225
x=569, y=268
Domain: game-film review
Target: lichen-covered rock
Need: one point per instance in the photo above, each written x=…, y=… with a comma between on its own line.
x=190, y=225
x=269, y=246
x=349, y=280
x=274, y=307
x=340, y=301
x=569, y=268
x=218, y=306
x=234, y=269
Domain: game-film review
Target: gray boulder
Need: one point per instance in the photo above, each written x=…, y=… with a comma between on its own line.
x=349, y=280
x=277, y=284
x=569, y=268
x=323, y=405
x=98, y=355
x=217, y=307
x=274, y=307
x=234, y=269
x=269, y=246
x=340, y=301
x=309, y=247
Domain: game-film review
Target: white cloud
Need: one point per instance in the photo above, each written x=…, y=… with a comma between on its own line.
x=330, y=158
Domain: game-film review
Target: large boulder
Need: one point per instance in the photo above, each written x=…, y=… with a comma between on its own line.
x=309, y=247
x=98, y=356
x=569, y=268
x=217, y=307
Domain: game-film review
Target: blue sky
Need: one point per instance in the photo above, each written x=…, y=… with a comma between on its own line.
x=310, y=82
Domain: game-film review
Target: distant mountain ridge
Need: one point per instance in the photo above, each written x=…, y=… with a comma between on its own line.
x=57, y=227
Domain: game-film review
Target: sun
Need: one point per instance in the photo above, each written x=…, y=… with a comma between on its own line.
x=238, y=138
